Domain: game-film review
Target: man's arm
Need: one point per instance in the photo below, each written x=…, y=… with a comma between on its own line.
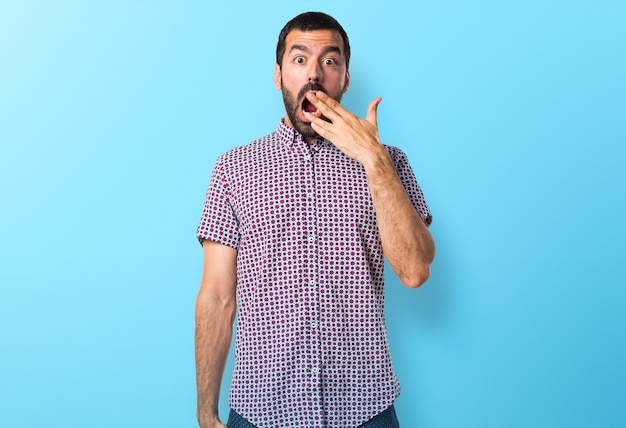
x=407, y=243
x=215, y=313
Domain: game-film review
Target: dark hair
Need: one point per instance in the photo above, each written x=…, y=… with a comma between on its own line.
x=311, y=21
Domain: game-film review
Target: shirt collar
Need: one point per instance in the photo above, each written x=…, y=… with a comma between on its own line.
x=289, y=136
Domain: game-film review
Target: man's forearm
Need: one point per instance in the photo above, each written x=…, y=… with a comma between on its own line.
x=214, y=324
x=407, y=243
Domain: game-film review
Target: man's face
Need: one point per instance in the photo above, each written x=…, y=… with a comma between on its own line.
x=313, y=60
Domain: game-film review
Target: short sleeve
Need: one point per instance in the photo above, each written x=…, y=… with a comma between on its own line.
x=218, y=222
x=412, y=188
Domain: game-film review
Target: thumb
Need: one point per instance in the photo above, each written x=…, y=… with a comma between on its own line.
x=372, y=110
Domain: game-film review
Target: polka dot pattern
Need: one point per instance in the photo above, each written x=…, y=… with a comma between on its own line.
x=311, y=347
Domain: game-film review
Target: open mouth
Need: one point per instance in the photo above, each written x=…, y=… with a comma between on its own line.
x=310, y=108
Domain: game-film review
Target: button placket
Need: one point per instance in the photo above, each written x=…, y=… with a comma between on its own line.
x=314, y=359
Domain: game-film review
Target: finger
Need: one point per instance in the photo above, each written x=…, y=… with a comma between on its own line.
x=326, y=105
x=319, y=125
x=326, y=99
x=372, y=111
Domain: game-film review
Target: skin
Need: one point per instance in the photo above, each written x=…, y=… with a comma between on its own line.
x=215, y=314
x=311, y=57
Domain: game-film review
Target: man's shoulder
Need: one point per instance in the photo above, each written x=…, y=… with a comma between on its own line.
x=396, y=153
x=393, y=150
x=249, y=150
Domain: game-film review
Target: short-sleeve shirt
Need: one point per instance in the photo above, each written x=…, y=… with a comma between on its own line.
x=311, y=345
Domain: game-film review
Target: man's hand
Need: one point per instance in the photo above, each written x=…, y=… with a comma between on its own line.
x=355, y=137
x=215, y=423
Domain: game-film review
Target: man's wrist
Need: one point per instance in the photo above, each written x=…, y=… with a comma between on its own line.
x=379, y=166
x=207, y=419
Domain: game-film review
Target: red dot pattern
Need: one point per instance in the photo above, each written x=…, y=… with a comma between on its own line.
x=311, y=342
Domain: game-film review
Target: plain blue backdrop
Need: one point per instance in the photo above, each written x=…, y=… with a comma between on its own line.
x=512, y=113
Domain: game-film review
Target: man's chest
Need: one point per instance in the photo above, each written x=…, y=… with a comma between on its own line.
x=301, y=190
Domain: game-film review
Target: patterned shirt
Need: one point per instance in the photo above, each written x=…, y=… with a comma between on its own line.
x=311, y=345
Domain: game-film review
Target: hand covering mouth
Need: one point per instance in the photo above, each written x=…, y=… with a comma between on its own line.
x=308, y=107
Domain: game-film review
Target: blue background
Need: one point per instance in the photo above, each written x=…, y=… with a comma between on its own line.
x=512, y=114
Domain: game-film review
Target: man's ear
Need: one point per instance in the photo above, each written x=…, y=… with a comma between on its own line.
x=345, y=85
x=277, y=77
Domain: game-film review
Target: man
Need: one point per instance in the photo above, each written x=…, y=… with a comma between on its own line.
x=294, y=230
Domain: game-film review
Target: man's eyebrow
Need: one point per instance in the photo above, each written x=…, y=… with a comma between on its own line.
x=326, y=50
x=298, y=48
x=334, y=49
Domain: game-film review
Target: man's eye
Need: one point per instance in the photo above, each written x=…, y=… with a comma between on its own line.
x=299, y=60
x=329, y=61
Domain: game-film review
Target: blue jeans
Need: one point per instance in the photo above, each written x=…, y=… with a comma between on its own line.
x=385, y=419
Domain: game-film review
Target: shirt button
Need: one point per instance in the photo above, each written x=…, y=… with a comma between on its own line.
x=315, y=370
x=309, y=195
x=312, y=282
x=311, y=238
x=314, y=324
x=307, y=157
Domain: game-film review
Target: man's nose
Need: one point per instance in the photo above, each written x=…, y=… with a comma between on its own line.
x=315, y=72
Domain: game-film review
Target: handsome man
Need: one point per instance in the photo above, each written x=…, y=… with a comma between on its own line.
x=294, y=229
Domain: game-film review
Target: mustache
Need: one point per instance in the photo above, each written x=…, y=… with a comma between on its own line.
x=311, y=86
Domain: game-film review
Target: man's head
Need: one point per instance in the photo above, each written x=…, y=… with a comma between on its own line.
x=312, y=54
x=311, y=21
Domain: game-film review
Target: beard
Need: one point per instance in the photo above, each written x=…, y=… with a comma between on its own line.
x=292, y=107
